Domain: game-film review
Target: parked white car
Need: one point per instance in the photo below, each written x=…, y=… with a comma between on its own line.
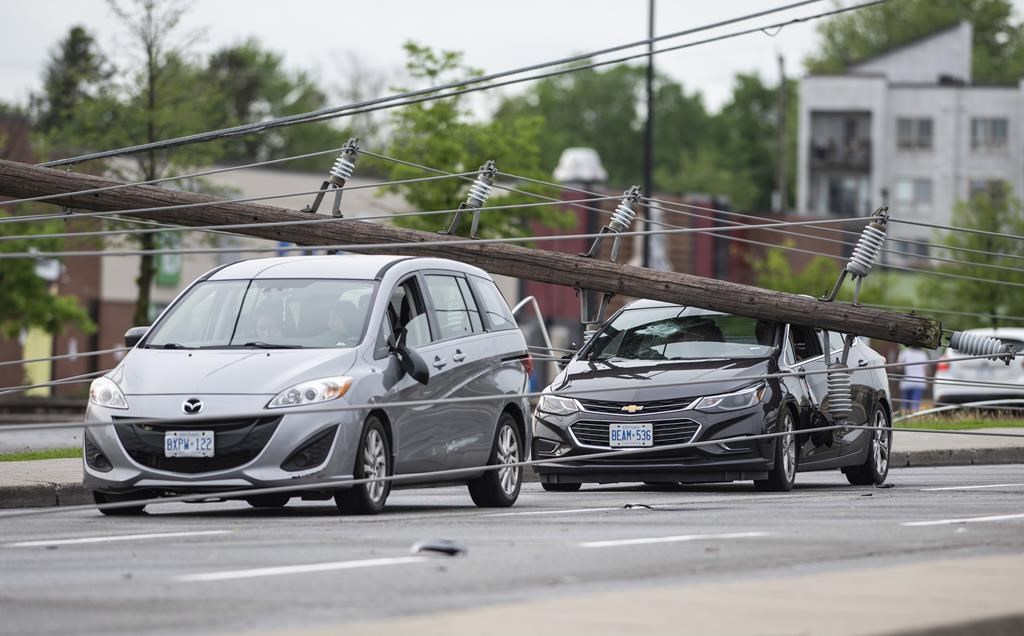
x=980, y=380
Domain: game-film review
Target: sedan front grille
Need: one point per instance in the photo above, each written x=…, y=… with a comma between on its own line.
x=638, y=408
x=235, y=442
x=665, y=433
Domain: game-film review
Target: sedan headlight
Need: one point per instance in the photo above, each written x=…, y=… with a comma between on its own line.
x=105, y=392
x=312, y=392
x=555, y=405
x=741, y=399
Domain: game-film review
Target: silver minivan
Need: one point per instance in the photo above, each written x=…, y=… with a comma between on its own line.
x=244, y=380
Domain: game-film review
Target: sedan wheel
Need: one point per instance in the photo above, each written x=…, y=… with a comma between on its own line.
x=876, y=468
x=783, y=473
x=499, y=488
x=373, y=461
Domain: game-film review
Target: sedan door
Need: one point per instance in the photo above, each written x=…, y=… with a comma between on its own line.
x=808, y=356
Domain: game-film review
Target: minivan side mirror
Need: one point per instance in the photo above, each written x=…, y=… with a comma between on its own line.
x=412, y=362
x=133, y=335
x=564, y=360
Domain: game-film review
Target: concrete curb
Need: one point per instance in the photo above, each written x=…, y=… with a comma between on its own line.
x=43, y=495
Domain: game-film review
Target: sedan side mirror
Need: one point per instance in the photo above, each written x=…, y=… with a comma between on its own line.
x=412, y=362
x=133, y=335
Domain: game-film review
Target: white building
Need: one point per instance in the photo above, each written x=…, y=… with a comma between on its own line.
x=910, y=130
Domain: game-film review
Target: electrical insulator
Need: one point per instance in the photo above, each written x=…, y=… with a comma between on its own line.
x=972, y=344
x=622, y=219
x=840, y=392
x=339, y=175
x=479, y=190
x=865, y=253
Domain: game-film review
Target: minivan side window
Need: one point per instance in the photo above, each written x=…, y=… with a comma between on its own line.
x=493, y=304
x=405, y=310
x=456, y=311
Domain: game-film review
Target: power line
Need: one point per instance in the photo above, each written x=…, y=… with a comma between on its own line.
x=397, y=245
x=966, y=230
x=186, y=206
x=229, y=228
x=486, y=398
x=66, y=356
x=193, y=175
x=946, y=311
x=432, y=93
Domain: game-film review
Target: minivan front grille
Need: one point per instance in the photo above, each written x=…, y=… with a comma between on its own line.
x=665, y=433
x=235, y=442
x=636, y=408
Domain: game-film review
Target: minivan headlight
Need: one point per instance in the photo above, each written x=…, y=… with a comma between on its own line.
x=105, y=392
x=312, y=392
x=744, y=398
x=555, y=405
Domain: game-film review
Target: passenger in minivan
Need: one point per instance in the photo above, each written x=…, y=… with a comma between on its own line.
x=345, y=322
x=268, y=326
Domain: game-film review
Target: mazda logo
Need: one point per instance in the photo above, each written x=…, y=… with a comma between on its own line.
x=192, y=406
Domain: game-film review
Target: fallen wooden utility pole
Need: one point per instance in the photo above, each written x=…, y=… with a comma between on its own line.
x=22, y=181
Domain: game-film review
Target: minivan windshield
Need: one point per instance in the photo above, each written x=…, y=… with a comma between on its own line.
x=679, y=333
x=266, y=314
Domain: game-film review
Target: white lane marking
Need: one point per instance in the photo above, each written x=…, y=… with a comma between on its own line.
x=115, y=537
x=972, y=487
x=567, y=511
x=948, y=522
x=297, y=569
x=683, y=537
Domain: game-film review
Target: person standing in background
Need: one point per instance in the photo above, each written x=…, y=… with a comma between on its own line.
x=913, y=383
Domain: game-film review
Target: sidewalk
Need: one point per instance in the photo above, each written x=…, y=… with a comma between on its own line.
x=57, y=482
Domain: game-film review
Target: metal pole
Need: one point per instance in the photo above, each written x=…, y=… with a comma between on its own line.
x=649, y=130
x=780, y=140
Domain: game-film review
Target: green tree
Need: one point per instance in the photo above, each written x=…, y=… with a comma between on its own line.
x=76, y=71
x=774, y=270
x=441, y=134
x=998, y=54
x=992, y=211
x=603, y=109
x=25, y=298
x=256, y=86
x=164, y=94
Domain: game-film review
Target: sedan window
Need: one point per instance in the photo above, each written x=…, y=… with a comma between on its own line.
x=675, y=333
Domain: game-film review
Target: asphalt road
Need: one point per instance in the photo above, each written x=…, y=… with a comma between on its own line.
x=227, y=568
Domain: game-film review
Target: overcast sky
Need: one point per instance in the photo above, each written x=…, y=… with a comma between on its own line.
x=317, y=35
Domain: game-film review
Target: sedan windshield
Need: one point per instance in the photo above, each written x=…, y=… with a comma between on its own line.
x=678, y=333
x=266, y=314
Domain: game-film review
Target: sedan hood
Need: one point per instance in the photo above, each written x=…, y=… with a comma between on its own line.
x=631, y=380
x=237, y=371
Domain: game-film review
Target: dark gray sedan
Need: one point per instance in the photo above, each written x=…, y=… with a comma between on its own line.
x=632, y=386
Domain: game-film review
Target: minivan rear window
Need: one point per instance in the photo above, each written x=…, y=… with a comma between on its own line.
x=266, y=314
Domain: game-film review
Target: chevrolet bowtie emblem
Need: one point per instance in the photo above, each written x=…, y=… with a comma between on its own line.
x=633, y=408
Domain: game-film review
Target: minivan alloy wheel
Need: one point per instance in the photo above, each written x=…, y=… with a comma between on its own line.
x=375, y=463
x=508, y=454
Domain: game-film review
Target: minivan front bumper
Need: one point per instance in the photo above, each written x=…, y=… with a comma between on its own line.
x=123, y=456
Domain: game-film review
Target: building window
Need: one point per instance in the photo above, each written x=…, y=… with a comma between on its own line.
x=914, y=133
x=989, y=133
x=914, y=191
x=993, y=189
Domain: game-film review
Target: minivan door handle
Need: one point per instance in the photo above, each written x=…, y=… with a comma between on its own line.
x=459, y=356
x=862, y=363
x=439, y=363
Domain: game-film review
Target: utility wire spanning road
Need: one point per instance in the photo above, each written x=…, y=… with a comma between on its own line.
x=228, y=568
